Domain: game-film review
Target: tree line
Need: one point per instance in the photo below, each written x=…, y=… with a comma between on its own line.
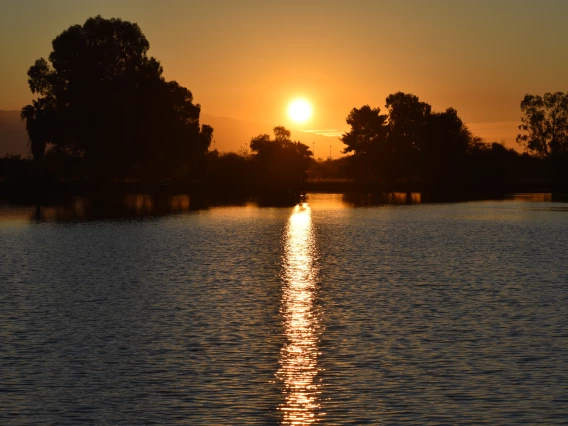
x=106, y=112
x=410, y=142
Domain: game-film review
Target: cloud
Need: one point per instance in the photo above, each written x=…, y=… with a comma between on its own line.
x=325, y=132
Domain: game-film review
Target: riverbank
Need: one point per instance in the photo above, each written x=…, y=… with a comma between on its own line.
x=42, y=192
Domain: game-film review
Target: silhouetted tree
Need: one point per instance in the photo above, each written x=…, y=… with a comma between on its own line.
x=109, y=103
x=334, y=169
x=40, y=122
x=367, y=140
x=545, y=125
x=492, y=164
x=410, y=142
x=407, y=120
x=281, y=160
x=443, y=147
x=230, y=168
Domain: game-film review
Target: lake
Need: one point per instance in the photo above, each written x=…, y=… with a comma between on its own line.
x=345, y=309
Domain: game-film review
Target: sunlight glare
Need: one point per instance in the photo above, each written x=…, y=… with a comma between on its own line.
x=299, y=369
x=300, y=110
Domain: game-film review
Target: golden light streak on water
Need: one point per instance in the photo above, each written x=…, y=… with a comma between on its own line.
x=298, y=357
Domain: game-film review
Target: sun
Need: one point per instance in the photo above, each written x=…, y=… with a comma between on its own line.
x=300, y=110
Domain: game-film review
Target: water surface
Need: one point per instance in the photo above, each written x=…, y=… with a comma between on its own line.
x=326, y=312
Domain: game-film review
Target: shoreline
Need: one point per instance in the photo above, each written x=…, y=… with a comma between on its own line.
x=49, y=192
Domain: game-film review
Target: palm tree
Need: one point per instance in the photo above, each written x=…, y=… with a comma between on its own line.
x=34, y=116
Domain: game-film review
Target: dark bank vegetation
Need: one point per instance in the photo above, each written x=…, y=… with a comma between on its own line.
x=411, y=146
x=277, y=162
x=412, y=143
x=105, y=113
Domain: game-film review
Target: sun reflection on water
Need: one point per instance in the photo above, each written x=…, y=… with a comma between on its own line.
x=298, y=357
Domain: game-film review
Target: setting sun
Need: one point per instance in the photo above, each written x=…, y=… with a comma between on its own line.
x=300, y=110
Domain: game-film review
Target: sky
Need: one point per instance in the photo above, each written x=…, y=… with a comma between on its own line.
x=248, y=60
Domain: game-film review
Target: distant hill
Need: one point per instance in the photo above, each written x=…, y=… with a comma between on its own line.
x=13, y=135
x=231, y=134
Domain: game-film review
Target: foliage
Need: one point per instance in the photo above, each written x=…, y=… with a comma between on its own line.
x=279, y=160
x=410, y=142
x=444, y=146
x=337, y=168
x=40, y=121
x=101, y=97
x=368, y=131
x=407, y=119
x=228, y=168
x=493, y=163
x=545, y=125
x=276, y=162
x=367, y=139
x=17, y=169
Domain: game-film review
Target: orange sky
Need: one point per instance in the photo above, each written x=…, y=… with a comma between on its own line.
x=247, y=59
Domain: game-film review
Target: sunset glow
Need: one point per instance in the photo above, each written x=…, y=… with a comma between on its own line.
x=336, y=61
x=284, y=212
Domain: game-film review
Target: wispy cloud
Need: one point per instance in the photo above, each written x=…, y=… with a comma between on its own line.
x=325, y=132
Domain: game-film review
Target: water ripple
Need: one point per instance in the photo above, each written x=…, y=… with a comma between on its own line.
x=419, y=314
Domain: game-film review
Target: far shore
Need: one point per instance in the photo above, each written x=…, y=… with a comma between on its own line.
x=48, y=192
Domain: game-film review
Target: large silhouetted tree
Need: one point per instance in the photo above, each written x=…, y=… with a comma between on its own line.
x=545, y=125
x=103, y=98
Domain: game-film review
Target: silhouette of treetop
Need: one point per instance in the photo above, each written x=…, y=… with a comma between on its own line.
x=409, y=142
x=545, y=125
x=102, y=97
x=280, y=159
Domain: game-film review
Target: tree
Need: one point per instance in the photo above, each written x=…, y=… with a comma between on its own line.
x=368, y=131
x=367, y=140
x=407, y=124
x=103, y=98
x=443, y=147
x=545, y=125
x=410, y=142
x=280, y=160
x=228, y=168
x=39, y=118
